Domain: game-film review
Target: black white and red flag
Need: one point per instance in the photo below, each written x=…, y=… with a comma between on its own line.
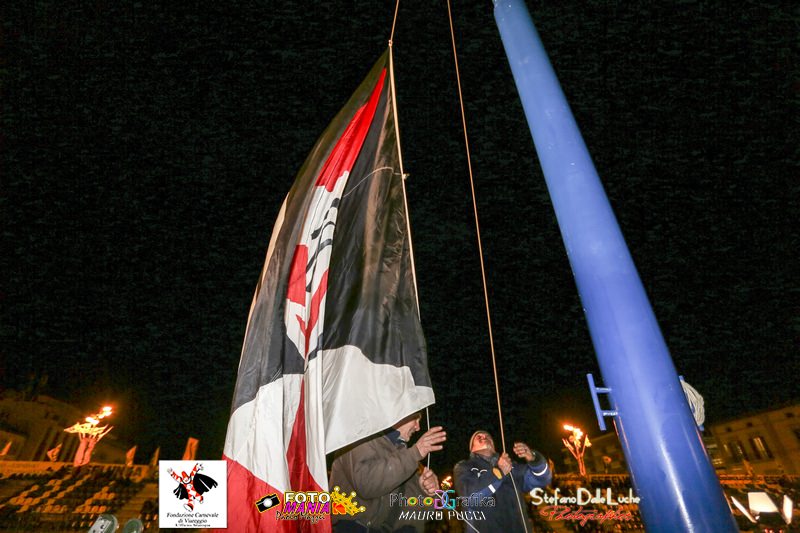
x=333, y=351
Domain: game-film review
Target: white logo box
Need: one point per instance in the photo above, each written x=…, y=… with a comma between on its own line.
x=203, y=508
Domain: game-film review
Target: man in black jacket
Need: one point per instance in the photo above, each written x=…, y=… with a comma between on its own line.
x=489, y=474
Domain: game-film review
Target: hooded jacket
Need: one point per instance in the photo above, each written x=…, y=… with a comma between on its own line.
x=476, y=476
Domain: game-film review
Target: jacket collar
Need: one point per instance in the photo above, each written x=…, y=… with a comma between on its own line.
x=491, y=460
x=394, y=437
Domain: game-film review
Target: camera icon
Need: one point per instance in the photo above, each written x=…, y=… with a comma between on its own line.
x=267, y=502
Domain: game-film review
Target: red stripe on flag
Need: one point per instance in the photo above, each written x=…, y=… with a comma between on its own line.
x=243, y=516
x=316, y=300
x=300, y=477
x=296, y=453
x=297, y=276
x=349, y=144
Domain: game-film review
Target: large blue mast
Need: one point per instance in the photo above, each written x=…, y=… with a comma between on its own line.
x=669, y=467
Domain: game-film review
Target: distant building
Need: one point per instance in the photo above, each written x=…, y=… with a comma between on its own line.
x=34, y=426
x=604, y=456
x=762, y=443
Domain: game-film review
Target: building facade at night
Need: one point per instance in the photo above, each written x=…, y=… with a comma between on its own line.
x=762, y=443
x=35, y=426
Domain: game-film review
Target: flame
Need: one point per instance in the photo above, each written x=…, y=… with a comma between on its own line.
x=95, y=418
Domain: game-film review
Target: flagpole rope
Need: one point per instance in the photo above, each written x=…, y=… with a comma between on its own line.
x=403, y=182
x=480, y=255
x=394, y=22
x=477, y=228
x=400, y=157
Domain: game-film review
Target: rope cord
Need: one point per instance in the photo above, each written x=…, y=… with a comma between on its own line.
x=403, y=182
x=480, y=254
x=402, y=172
x=394, y=22
x=477, y=229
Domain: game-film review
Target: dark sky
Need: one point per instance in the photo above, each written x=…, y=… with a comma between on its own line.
x=146, y=152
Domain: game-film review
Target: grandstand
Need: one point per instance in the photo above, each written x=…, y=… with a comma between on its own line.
x=757, y=453
x=57, y=497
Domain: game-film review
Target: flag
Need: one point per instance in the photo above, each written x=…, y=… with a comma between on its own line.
x=191, y=449
x=84, y=454
x=333, y=350
x=53, y=453
x=153, y=464
x=130, y=456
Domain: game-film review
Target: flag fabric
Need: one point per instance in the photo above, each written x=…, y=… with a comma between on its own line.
x=191, y=449
x=153, y=464
x=333, y=351
x=84, y=454
x=129, y=457
x=52, y=454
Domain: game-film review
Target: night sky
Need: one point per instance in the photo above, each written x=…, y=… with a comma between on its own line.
x=147, y=150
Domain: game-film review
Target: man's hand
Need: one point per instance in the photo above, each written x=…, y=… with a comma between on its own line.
x=169, y=470
x=428, y=482
x=430, y=441
x=523, y=451
x=504, y=463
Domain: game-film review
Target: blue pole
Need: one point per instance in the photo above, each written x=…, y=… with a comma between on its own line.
x=670, y=470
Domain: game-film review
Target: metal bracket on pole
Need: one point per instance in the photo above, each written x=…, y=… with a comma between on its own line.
x=601, y=413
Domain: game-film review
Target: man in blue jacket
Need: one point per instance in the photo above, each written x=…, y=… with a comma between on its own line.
x=489, y=474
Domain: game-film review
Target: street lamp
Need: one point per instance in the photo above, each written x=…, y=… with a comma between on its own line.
x=577, y=444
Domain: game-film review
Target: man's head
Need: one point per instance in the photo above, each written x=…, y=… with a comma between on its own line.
x=482, y=443
x=408, y=426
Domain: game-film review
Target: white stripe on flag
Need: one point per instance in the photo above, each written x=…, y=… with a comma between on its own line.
x=360, y=398
x=257, y=436
x=363, y=398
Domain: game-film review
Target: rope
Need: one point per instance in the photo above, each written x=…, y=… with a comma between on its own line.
x=402, y=171
x=394, y=22
x=478, y=229
x=480, y=254
x=403, y=176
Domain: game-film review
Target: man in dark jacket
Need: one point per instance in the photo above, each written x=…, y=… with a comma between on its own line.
x=487, y=474
x=382, y=465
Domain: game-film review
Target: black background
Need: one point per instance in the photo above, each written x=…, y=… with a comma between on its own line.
x=147, y=150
